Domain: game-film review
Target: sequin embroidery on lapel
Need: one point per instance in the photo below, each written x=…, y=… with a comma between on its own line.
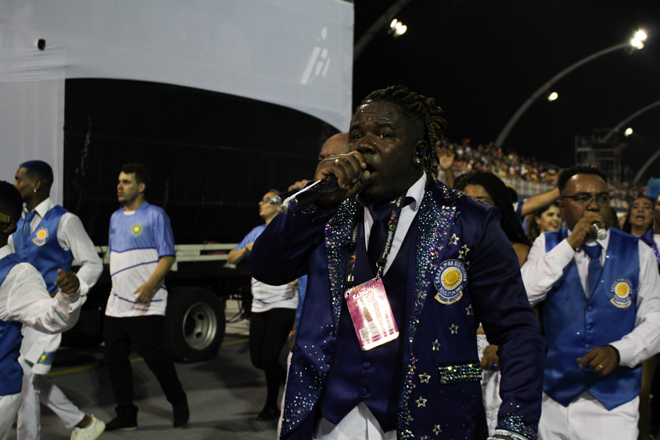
x=337, y=233
x=434, y=224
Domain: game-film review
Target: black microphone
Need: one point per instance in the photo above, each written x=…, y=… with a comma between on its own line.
x=309, y=194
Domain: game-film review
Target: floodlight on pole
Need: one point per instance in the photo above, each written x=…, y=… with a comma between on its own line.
x=377, y=27
x=623, y=123
x=628, y=132
x=638, y=39
x=397, y=28
x=553, y=96
x=634, y=44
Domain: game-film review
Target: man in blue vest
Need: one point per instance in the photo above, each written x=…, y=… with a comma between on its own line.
x=442, y=262
x=24, y=299
x=600, y=293
x=49, y=237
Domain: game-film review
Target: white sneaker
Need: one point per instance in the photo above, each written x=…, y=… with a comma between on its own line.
x=90, y=432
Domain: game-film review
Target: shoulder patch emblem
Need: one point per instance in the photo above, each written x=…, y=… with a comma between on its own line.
x=41, y=236
x=621, y=289
x=136, y=229
x=449, y=281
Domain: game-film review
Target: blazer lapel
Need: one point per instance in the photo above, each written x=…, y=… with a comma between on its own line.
x=436, y=220
x=337, y=236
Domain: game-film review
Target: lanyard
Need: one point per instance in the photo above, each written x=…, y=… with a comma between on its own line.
x=389, y=239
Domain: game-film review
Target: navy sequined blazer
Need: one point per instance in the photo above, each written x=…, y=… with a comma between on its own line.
x=440, y=394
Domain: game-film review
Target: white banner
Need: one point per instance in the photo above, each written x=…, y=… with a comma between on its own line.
x=295, y=53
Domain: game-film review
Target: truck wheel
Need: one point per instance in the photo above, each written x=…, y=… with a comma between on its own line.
x=194, y=324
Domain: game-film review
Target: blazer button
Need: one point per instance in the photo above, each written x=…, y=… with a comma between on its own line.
x=363, y=391
x=366, y=365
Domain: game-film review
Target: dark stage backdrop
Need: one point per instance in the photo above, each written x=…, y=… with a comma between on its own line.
x=212, y=156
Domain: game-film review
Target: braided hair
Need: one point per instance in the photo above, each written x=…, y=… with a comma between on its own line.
x=500, y=195
x=422, y=109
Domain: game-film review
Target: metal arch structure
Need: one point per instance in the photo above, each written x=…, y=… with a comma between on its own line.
x=621, y=124
x=545, y=87
x=648, y=163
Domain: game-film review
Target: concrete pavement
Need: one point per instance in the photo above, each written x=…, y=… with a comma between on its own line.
x=224, y=394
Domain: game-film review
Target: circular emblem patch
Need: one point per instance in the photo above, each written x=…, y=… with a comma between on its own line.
x=621, y=289
x=41, y=236
x=449, y=281
x=136, y=229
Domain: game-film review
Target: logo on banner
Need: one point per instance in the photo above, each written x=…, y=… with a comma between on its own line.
x=41, y=236
x=449, y=281
x=621, y=289
x=136, y=229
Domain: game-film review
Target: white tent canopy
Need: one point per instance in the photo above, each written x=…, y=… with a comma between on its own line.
x=295, y=53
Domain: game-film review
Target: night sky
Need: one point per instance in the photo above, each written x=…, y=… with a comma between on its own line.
x=482, y=59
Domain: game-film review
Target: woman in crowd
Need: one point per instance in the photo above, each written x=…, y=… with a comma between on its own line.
x=273, y=313
x=546, y=219
x=489, y=188
x=640, y=222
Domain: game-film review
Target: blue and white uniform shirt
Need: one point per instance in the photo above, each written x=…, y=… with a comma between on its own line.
x=138, y=239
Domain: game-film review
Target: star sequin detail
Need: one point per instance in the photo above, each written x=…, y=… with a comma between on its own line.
x=454, y=239
x=465, y=249
x=470, y=310
x=453, y=329
x=424, y=378
x=436, y=345
x=461, y=255
x=421, y=402
x=424, y=437
x=436, y=429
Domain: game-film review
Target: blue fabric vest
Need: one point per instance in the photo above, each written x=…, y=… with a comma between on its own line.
x=10, y=341
x=377, y=373
x=575, y=324
x=42, y=250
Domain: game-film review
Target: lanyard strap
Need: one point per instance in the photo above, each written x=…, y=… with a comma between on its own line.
x=387, y=246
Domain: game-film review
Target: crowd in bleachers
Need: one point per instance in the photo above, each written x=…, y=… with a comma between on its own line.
x=528, y=175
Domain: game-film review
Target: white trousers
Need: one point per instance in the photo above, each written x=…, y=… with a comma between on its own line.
x=359, y=423
x=586, y=418
x=39, y=388
x=8, y=409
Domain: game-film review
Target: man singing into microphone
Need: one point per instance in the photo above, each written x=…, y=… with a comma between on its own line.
x=601, y=315
x=401, y=271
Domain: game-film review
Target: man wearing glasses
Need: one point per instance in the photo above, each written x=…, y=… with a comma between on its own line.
x=600, y=295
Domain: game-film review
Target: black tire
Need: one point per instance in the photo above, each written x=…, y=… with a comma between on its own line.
x=194, y=324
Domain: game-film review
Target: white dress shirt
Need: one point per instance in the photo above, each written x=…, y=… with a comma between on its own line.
x=24, y=298
x=71, y=235
x=543, y=269
x=360, y=421
x=408, y=214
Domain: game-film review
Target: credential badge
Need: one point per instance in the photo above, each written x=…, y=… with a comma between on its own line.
x=41, y=236
x=621, y=289
x=449, y=281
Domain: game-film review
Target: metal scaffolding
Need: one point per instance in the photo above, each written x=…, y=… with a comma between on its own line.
x=605, y=153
